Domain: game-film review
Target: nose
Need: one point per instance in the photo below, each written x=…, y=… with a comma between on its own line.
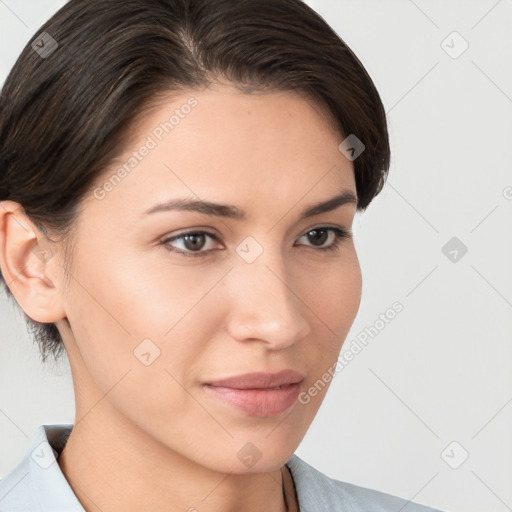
x=264, y=306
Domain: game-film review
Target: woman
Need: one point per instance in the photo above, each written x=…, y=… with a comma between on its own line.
x=178, y=181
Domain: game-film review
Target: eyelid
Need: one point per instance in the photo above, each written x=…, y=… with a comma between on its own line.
x=347, y=230
x=200, y=231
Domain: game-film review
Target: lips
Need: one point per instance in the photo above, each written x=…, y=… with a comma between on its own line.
x=260, y=380
x=258, y=394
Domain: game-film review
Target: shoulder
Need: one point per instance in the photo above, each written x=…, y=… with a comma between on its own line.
x=37, y=482
x=318, y=493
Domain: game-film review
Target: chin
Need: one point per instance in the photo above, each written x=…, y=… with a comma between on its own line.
x=250, y=453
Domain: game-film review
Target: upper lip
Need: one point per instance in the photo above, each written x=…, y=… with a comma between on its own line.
x=259, y=380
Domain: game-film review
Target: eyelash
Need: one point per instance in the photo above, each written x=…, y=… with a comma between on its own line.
x=339, y=234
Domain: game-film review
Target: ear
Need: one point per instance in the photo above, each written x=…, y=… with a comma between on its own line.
x=28, y=261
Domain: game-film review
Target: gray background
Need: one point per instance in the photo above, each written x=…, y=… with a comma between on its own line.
x=440, y=372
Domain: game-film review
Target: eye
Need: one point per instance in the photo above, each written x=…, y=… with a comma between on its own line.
x=192, y=241
x=195, y=243
x=320, y=235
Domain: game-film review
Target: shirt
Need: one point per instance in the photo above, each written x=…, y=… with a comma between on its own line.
x=37, y=484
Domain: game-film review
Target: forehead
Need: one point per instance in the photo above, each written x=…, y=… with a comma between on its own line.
x=221, y=142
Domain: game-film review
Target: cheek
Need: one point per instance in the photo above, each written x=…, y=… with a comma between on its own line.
x=115, y=304
x=332, y=305
x=333, y=294
x=118, y=303
x=138, y=338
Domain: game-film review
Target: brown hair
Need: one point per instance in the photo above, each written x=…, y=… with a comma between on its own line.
x=64, y=116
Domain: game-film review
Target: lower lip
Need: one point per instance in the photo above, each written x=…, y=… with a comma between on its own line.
x=258, y=402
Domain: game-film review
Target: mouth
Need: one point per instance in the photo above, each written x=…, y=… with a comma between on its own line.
x=258, y=394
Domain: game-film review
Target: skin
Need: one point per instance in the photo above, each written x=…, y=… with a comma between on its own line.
x=146, y=437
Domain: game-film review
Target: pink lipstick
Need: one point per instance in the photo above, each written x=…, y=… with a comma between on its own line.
x=259, y=394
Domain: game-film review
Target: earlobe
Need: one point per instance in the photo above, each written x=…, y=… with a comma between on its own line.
x=26, y=261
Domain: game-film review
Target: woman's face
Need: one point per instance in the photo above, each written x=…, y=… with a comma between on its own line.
x=156, y=318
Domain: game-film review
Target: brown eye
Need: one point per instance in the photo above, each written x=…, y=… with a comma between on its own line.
x=319, y=236
x=192, y=243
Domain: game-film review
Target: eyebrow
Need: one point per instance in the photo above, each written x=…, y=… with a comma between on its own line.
x=233, y=212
